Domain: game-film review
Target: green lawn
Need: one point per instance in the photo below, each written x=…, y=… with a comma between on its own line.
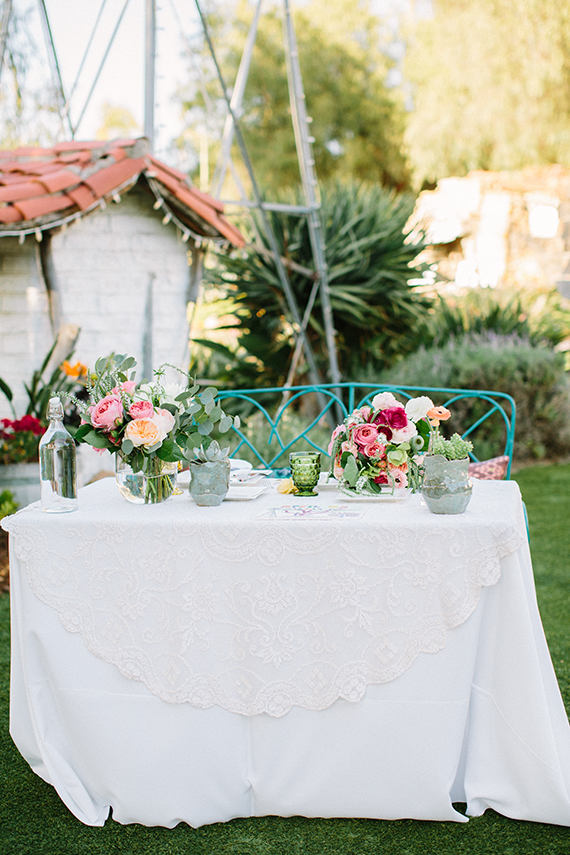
x=33, y=821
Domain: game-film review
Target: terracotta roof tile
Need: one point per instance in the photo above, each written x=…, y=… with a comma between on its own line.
x=33, y=178
x=32, y=208
x=31, y=151
x=39, y=167
x=170, y=169
x=75, y=157
x=11, y=178
x=9, y=214
x=111, y=177
x=82, y=196
x=23, y=190
x=59, y=180
x=118, y=153
x=75, y=145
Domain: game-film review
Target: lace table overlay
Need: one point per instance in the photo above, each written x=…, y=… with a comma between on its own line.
x=215, y=606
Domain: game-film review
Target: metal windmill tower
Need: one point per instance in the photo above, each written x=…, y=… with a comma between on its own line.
x=232, y=129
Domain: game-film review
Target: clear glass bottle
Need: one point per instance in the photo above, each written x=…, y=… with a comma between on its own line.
x=58, y=477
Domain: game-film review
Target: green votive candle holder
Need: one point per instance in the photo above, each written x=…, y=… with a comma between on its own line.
x=305, y=471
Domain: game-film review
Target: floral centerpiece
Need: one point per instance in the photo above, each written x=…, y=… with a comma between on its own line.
x=374, y=450
x=150, y=427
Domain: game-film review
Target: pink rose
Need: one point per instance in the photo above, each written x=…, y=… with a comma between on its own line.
x=107, y=413
x=394, y=417
x=128, y=386
x=365, y=434
x=366, y=412
x=141, y=410
x=336, y=432
x=375, y=449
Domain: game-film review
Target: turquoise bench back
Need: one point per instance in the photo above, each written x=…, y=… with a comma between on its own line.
x=276, y=421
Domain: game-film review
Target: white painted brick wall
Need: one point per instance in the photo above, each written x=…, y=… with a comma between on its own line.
x=25, y=329
x=103, y=264
x=102, y=267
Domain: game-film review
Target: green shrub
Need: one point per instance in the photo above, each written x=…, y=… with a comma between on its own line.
x=8, y=505
x=539, y=315
x=533, y=375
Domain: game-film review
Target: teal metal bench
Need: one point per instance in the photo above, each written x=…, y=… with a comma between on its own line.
x=276, y=421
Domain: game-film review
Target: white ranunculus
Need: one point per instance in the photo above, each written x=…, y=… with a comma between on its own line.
x=404, y=434
x=417, y=408
x=384, y=400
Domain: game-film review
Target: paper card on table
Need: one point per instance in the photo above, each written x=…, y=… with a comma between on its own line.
x=311, y=512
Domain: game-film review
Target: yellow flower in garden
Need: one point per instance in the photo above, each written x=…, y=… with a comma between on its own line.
x=77, y=370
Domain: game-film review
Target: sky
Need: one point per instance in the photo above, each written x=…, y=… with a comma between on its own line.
x=121, y=81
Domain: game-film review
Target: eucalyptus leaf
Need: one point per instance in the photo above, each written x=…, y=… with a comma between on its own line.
x=208, y=394
x=209, y=406
x=225, y=424
x=127, y=446
x=216, y=413
x=206, y=427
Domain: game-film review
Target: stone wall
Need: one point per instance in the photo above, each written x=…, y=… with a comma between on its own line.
x=494, y=229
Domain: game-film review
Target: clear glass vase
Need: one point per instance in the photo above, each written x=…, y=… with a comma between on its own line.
x=155, y=483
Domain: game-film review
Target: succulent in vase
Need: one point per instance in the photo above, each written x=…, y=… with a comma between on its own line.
x=211, y=454
x=454, y=448
x=210, y=474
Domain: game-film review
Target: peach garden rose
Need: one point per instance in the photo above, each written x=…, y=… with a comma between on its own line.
x=142, y=432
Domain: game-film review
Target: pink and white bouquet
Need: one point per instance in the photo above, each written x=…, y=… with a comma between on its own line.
x=146, y=423
x=374, y=450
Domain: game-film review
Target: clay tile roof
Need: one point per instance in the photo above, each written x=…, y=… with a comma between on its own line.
x=8, y=214
x=30, y=209
x=32, y=179
x=23, y=190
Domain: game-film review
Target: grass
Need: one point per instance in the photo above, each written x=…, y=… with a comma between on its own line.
x=33, y=821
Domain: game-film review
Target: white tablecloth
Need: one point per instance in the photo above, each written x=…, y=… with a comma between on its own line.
x=481, y=721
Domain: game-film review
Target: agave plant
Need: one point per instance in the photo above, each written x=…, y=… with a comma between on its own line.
x=370, y=260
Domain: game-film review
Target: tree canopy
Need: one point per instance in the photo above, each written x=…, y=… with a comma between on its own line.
x=492, y=86
x=357, y=124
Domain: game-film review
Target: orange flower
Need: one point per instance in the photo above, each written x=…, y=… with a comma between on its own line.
x=437, y=415
x=77, y=370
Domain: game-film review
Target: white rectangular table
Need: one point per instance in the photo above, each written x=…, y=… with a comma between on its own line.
x=177, y=663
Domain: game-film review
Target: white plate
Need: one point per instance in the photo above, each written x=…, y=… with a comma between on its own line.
x=238, y=493
x=396, y=496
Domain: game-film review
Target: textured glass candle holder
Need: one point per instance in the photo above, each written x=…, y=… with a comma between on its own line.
x=305, y=471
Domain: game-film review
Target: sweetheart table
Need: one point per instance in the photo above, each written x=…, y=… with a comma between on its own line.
x=323, y=657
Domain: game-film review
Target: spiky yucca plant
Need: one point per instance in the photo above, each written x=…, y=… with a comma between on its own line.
x=370, y=262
